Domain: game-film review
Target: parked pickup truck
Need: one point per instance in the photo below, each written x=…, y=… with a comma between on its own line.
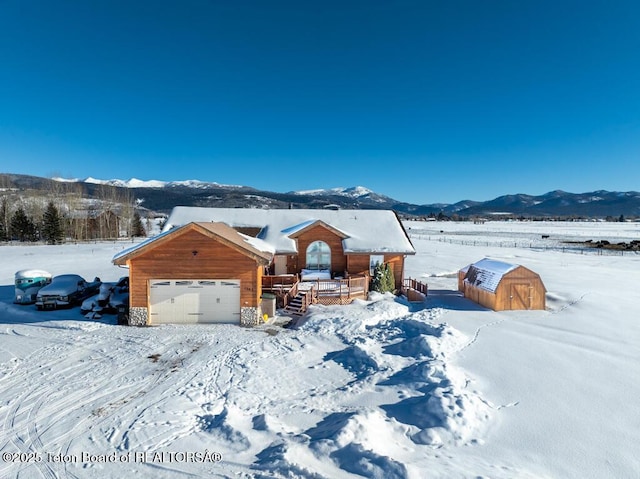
x=66, y=290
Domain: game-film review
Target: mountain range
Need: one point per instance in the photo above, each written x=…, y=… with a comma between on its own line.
x=161, y=197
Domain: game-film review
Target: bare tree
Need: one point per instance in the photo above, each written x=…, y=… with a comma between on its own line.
x=72, y=212
x=4, y=219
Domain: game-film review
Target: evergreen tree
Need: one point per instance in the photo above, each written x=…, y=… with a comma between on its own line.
x=52, y=231
x=389, y=280
x=382, y=279
x=137, y=228
x=4, y=216
x=22, y=227
x=376, y=278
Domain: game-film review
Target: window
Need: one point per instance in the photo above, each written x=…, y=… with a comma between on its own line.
x=374, y=260
x=318, y=256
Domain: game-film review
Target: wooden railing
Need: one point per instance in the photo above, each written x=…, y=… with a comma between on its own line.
x=289, y=295
x=324, y=291
x=279, y=282
x=307, y=300
x=414, y=289
x=340, y=291
x=409, y=283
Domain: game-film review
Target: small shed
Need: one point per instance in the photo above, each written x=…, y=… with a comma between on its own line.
x=502, y=286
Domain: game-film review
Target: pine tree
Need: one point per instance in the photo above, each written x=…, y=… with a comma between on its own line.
x=389, y=280
x=377, y=278
x=382, y=280
x=52, y=231
x=137, y=228
x=22, y=227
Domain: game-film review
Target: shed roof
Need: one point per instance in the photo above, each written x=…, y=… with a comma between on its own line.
x=253, y=247
x=487, y=273
x=362, y=231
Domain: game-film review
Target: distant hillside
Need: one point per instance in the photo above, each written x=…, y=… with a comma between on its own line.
x=161, y=197
x=563, y=204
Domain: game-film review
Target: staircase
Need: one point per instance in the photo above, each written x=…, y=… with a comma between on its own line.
x=298, y=305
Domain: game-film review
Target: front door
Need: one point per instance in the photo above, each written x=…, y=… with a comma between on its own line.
x=280, y=264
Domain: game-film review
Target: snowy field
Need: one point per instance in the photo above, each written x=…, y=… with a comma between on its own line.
x=379, y=389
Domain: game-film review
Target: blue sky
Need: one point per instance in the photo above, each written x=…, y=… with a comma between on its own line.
x=423, y=101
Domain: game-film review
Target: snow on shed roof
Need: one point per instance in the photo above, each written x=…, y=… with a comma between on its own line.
x=365, y=231
x=487, y=273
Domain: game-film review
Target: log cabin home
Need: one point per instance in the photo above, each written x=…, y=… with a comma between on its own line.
x=296, y=257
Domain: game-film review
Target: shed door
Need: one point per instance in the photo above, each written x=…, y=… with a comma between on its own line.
x=521, y=296
x=194, y=301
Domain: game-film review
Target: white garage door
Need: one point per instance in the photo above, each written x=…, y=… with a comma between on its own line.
x=194, y=301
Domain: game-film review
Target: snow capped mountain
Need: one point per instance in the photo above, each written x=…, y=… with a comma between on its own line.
x=137, y=183
x=351, y=192
x=132, y=183
x=162, y=196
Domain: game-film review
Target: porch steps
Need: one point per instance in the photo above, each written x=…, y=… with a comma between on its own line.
x=296, y=306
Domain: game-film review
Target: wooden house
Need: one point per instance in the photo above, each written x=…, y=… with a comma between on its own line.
x=502, y=286
x=196, y=273
x=313, y=243
x=214, y=264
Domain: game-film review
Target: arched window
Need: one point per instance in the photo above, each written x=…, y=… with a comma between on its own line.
x=318, y=256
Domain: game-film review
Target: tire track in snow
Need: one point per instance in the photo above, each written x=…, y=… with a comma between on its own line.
x=69, y=390
x=174, y=381
x=15, y=439
x=21, y=410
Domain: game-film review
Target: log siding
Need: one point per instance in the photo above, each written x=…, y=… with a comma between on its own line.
x=194, y=256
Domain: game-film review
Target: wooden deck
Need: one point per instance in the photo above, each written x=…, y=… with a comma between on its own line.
x=279, y=284
x=337, y=291
x=290, y=291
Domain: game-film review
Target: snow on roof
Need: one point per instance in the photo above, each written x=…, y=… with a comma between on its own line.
x=142, y=244
x=367, y=231
x=258, y=244
x=487, y=273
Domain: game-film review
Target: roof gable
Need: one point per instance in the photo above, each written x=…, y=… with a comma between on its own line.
x=298, y=230
x=252, y=247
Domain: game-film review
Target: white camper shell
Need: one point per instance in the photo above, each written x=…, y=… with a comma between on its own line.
x=27, y=284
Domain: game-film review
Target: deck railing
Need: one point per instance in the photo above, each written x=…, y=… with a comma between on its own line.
x=324, y=291
x=288, y=296
x=409, y=283
x=339, y=291
x=414, y=290
x=282, y=282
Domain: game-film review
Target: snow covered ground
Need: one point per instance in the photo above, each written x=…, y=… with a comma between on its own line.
x=380, y=389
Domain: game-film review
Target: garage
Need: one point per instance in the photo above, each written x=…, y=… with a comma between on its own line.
x=194, y=301
x=196, y=273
